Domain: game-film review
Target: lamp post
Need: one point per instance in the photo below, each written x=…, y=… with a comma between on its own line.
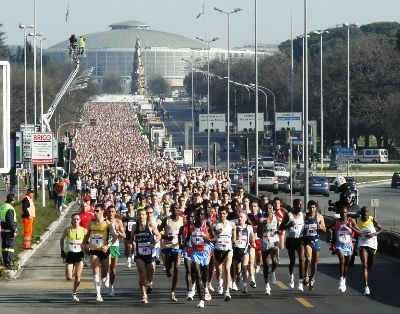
x=321, y=33
x=208, y=93
x=191, y=61
x=228, y=113
x=35, y=36
x=266, y=88
x=41, y=111
x=253, y=87
x=303, y=38
x=348, y=79
x=21, y=26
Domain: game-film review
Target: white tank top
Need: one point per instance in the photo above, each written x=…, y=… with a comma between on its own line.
x=110, y=237
x=224, y=241
x=296, y=231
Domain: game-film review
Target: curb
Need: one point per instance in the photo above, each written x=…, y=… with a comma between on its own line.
x=25, y=255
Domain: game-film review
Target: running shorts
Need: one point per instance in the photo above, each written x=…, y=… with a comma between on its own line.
x=170, y=251
x=200, y=257
x=74, y=257
x=114, y=251
x=314, y=244
x=100, y=254
x=346, y=248
x=220, y=255
x=368, y=249
x=293, y=243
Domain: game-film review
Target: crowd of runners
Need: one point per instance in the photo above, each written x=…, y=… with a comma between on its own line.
x=159, y=214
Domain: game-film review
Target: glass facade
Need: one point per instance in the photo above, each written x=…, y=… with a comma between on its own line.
x=156, y=61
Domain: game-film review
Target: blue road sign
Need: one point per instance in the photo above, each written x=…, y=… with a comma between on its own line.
x=345, y=150
x=298, y=153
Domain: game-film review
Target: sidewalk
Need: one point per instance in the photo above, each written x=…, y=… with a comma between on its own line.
x=25, y=255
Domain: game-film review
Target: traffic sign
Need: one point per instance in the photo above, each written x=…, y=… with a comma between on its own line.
x=42, y=148
x=374, y=202
x=298, y=153
x=215, y=122
x=27, y=150
x=292, y=120
x=345, y=150
x=215, y=146
x=247, y=122
x=18, y=148
x=70, y=154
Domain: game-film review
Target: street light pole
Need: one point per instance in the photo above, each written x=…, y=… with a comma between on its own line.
x=228, y=113
x=21, y=26
x=348, y=79
x=321, y=33
x=208, y=94
x=303, y=118
x=41, y=113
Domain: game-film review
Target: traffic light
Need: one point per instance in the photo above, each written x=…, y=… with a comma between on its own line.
x=319, y=156
x=312, y=154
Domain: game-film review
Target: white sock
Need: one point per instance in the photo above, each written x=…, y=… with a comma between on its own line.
x=245, y=285
x=252, y=278
x=96, y=282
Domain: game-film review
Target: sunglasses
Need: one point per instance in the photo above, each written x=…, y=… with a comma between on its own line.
x=97, y=211
x=148, y=213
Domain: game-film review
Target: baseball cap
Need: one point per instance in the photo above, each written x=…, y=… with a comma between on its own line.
x=30, y=190
x=87, y=198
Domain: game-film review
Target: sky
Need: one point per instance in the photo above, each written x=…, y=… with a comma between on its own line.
x=179, y=17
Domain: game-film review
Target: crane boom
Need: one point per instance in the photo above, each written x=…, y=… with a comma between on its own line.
x=49, y=114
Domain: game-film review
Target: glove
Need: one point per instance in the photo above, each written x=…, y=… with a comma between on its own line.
x=63, y=254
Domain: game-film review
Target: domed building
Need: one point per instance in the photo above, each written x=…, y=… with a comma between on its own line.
x=162, y=53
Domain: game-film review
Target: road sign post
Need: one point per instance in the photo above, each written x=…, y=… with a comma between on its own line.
x=42, y=148
x=375, y=204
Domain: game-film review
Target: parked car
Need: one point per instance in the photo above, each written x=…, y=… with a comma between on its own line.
x=351, y=183
x=283, y=184
x=298, y=177
x=316, y=185
x=281, y=171
x=267, y=181
x=231, y=147
x=338, y=181
x=332, y=186
x=395, y=180
x=178, y=160
x=236, y=178
x=268, y=161
x=246, y=172
x=59, y=172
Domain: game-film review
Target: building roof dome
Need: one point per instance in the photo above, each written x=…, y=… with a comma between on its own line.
x=123, y=35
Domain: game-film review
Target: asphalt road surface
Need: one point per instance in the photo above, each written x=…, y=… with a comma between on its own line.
x=40, y=287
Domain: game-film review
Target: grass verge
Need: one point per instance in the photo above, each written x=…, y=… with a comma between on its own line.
x=45, y=215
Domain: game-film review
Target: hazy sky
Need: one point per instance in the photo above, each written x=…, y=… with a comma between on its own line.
x=179, y=17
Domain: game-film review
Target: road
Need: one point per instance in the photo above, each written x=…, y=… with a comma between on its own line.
x=40, y=286
x=180, y=112
x=386, y=213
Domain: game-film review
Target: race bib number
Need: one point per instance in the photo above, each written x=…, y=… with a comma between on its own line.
x=241, y=242
x=97, y=240
x=312, y=230
x=174, y=235
x=268, y=236
x=344, y=237
x=144, y=248
x=197, y=238
x=224, y=242
x=75, y=246
x=366, y=233
x=130, y=224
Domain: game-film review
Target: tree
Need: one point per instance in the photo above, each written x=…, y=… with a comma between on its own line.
x=112, y=83
x=4, y=51
x=158, y=85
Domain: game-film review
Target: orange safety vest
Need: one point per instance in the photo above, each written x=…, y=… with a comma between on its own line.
x=31, y=208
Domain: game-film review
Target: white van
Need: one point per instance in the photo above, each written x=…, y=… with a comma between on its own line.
x=374, y=155
x=170, y=153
